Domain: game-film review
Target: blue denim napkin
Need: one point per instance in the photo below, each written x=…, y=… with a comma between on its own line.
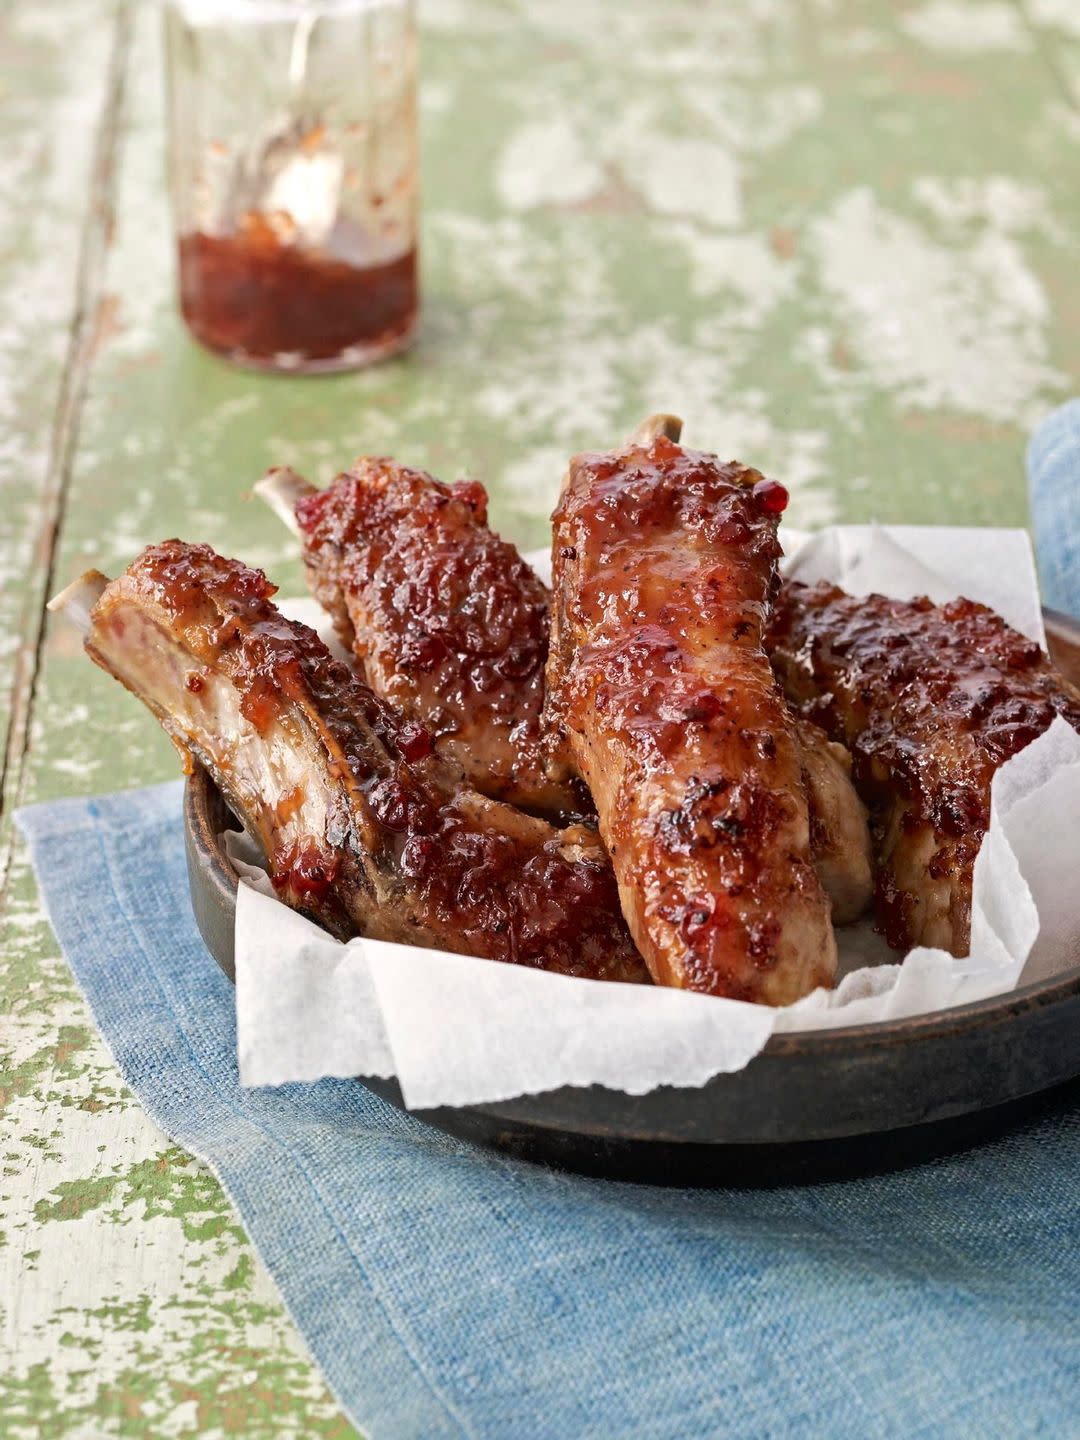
x=445, y=1291
x=1053, y=462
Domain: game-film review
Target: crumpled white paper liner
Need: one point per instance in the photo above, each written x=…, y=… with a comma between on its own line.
x=457, y=1030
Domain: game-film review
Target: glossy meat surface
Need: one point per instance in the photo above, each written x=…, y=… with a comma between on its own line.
x=447, y=620
x=360, y=837
x=353, y=524
x=664, y=565
x=931, y=700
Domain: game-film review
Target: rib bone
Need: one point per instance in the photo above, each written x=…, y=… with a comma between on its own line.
x=363, y=555
x=664, y=566
x=445, y=618
x=362, y=827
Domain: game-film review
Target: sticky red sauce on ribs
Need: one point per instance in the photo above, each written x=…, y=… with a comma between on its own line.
x=448, y=621
x=447, y=866
x=932, y=700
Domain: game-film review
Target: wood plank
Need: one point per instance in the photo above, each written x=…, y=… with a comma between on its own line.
x=130, y=1298
x=57, y=135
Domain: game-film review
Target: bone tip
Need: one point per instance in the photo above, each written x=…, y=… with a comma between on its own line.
x=654, y=426
x=281, y=489
x=76, y=600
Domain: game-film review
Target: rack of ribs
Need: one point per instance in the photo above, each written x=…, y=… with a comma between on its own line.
x=447, y=620
x=931, y=700
x=362, y=826
x=450, y=624
x=661, y=695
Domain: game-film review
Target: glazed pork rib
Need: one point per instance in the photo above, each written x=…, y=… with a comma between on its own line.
x=448, y=622
x=362, y=827
x=931, y=701
x=664, y=564
x=451, y=625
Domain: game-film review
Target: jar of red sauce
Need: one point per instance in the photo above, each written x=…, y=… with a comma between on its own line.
x=293, y=168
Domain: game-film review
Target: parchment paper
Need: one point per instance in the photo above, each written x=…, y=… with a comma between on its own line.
x=457, y=1030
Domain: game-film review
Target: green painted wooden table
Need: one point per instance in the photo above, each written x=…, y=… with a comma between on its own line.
x=839, y=236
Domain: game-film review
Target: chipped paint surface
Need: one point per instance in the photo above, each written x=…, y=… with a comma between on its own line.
x=960, y=327
x=132, y=1303
x=815, y=230
x=967, y=27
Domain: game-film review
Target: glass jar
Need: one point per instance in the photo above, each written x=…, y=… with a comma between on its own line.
x=293, y=168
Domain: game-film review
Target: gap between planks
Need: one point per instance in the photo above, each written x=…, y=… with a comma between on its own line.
x=94, y=243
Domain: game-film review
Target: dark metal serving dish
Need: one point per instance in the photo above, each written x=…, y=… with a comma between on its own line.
x=811, y=1105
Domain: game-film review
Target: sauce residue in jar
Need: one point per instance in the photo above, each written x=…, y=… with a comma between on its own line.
x=257, y=297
